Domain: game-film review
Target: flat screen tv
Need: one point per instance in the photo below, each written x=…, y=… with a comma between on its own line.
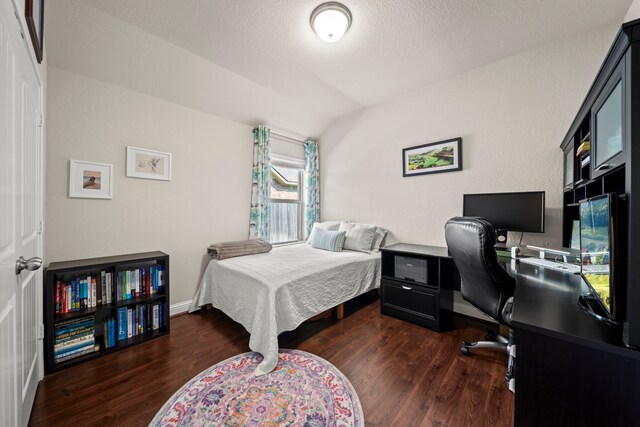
x=523, y=211
x=597, y=250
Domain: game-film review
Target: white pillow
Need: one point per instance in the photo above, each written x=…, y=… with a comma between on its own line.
x=326, y=225
x=377, y=240
x=345, y=226
x=359, y=237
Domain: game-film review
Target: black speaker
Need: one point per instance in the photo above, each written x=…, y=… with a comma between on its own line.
x=501, y=238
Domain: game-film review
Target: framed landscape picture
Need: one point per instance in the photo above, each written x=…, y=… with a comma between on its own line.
x=34, y=14
x=90, y=180
x=441, y=156
x=148, y=164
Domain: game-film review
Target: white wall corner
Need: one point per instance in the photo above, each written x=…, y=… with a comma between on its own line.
x=633, y=12
x=179, y=308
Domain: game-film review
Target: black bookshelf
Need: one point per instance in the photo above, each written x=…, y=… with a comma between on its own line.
x=148, y=308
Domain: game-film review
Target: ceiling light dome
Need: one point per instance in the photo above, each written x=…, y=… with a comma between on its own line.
x=330, y=21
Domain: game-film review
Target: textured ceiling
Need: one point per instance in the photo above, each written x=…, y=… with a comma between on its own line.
x=392, y=47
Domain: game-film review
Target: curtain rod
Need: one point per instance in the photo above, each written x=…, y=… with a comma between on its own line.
x=287, y=138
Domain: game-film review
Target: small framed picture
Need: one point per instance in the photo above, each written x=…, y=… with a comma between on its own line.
x=148, y=164
x=441, y=156
x=90, y=180
x=34, y=13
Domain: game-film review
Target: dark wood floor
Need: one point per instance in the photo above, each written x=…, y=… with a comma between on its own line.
x=405, y=375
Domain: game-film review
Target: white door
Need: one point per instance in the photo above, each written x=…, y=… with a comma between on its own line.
x=20, y=221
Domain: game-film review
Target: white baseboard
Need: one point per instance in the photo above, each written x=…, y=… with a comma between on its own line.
x=179, y=308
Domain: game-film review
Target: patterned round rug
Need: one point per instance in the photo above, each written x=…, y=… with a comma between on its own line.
x=304, y=390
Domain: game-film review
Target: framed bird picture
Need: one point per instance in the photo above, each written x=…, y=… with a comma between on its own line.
x=148, y=164
x=90, y=180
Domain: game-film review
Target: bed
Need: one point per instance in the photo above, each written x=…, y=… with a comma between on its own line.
x=274, y=292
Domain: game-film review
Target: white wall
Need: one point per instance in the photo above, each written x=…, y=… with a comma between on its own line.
x=633, y=12
x=512, y=116
x=207, y=200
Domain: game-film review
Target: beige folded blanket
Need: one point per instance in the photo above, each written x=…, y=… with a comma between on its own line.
x=240, y=248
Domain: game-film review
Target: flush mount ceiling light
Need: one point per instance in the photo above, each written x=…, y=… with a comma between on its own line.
x=330, y=21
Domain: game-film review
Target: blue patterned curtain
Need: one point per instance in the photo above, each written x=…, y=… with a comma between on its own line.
x=312, y=194
x=260, y=185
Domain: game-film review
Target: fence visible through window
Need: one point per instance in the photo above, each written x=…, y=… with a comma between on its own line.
x=286, y=204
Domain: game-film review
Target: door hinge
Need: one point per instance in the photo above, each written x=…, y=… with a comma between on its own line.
x=41, y=121
x=41, y=331
x=40, y=227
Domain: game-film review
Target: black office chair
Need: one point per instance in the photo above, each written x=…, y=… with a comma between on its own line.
x=483, y=282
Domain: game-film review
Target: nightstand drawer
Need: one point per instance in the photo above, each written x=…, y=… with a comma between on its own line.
x=412, y=299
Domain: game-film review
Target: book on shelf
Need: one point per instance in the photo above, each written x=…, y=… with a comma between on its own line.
x=68, y=349
x=79, y=339
x=112, y=332
x=81, y=292
x=585, y=161
x=129, y=323
x=138, y=319
x=108, y=332
x=122, y=323
x=74, y=338
x=84, y=352
x=69, y=332
x=139, y=282
x=74, y=323
x=583, y=148
x=65, y=328
x=126, y=277
x=156, y=316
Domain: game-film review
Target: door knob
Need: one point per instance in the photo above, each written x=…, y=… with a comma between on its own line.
x=30, y=264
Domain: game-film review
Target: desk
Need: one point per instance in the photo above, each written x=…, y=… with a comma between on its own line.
x=571, y=369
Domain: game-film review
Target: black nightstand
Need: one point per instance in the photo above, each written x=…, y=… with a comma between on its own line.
x=417, y=284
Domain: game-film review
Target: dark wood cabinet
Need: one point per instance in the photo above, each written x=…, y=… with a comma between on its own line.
x=411, y=287
x=607, y=123
x=608, y=120
x=94, y=307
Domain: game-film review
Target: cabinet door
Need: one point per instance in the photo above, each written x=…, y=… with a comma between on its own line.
x=568, y=162
x=607, y=121
x=413, y=299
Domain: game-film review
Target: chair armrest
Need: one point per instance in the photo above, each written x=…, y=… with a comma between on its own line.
x=507, y=310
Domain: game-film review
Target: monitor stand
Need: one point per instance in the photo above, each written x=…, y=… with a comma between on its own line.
x=567, y=254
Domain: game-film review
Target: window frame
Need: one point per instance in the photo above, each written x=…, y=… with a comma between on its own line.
x=292, y=163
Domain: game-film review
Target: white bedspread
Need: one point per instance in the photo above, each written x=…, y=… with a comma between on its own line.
x=276, y=291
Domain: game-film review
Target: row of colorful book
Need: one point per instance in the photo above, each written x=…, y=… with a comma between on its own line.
x=82, y=292
x=74, y=338
x=139, y=282
x=136, y=320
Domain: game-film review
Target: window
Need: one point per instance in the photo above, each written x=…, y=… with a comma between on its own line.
x=286, y=199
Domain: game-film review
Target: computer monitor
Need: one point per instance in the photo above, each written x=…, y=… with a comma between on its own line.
x=597, y=249
x=523, y=211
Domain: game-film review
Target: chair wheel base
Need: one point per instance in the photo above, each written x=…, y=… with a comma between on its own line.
x=464, y=350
